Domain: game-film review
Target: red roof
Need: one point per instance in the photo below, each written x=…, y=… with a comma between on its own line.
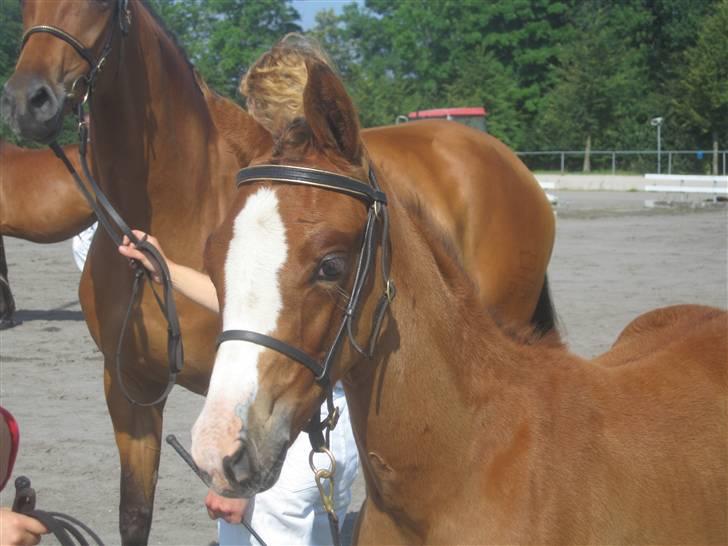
x=445, y=112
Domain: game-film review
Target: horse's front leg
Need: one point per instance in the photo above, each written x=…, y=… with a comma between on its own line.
x=138, y=432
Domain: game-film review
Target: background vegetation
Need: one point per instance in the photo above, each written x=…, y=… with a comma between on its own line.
x=553, y=74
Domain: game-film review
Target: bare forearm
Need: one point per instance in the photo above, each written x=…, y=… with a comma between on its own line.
x=195, y=285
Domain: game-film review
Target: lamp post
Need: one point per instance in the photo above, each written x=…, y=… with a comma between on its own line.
x=657, y=122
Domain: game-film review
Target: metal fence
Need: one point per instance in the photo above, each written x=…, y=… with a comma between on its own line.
x=628, y=161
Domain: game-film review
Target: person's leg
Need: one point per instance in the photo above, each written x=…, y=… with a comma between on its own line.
x=81, y=243
x=291, y=511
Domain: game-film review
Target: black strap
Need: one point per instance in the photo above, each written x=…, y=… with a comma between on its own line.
x=61, y=525
x=311, y=177
x=64, y=527
x=83, y=51
x=272, y=343
x=116, y=228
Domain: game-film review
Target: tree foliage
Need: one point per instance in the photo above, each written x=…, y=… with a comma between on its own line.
x=551, y=73
x=700, y=101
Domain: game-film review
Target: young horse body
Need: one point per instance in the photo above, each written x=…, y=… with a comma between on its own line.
x=466, y=435
x=165, y=150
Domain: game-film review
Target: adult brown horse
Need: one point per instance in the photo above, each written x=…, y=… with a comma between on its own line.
x=38, y=202
x=165, y=150
x=467, y=435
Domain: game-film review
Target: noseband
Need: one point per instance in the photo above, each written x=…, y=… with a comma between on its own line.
x=377, y=204
x=121, y=14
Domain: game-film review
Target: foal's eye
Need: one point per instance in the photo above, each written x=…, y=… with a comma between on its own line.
x=331, y=268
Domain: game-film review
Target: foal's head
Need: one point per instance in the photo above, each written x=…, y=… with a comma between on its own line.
x=283, y=263
x=65, y=45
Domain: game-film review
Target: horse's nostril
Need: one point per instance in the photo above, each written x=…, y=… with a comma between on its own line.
x=40, y=98
x=237, y=466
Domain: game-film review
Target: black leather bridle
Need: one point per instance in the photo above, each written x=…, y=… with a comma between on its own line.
x=319, y=430
x=121, y=14
x=376, y=201
x=108, y=217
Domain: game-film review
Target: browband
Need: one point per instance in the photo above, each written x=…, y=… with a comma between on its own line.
x=311, y=177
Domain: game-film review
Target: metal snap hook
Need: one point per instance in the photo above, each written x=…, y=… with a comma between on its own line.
x=324, y=479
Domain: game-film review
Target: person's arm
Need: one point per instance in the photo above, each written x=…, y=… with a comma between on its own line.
x=231, y=510
x=195, y=285
x=19, y=529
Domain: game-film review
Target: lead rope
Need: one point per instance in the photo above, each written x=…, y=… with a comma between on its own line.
x=61, y=525
x=116, y=228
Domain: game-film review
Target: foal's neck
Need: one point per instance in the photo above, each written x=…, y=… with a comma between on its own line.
x=428, y=393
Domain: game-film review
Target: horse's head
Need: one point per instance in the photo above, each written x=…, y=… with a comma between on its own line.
x=285, y=264
x=64, y=47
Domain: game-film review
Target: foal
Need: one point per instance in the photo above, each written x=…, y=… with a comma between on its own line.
x=466, y=435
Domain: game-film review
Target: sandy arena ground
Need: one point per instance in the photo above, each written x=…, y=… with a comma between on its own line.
x=613, y=260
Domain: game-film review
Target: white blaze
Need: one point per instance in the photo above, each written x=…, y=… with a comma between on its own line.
x=255, y=256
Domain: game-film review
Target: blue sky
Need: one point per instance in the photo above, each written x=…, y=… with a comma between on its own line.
x=308, y=9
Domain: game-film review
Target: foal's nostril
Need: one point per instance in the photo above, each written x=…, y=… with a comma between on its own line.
x=237, y=467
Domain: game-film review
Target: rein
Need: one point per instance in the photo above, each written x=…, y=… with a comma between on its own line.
x=67, y=529
x=108, y=217
x=376, y=201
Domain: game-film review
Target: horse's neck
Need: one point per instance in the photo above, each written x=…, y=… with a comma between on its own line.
x=439, y=364
x=153, y=139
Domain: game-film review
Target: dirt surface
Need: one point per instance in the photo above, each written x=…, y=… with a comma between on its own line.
x=613, y=260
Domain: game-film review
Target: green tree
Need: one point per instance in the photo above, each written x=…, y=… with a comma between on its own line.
x=400, y=57
x=11, y=31
x=601, y=85
x=242, y=30
x=191, y=21
x=701, y=98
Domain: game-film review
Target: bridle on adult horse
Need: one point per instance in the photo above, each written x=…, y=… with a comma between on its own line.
x=109, y=218
x=377, y=212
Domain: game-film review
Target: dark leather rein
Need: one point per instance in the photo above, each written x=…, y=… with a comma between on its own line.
x=106, y=214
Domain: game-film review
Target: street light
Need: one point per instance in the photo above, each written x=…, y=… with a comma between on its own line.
x=657, y=122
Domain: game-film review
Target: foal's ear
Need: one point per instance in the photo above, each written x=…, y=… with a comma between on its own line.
x=330, y=112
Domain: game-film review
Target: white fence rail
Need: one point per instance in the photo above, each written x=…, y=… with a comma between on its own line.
x=686, y=183
x=613, y=157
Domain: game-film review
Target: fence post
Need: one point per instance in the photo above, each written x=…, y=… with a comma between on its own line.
x=669, y=162
x=614, y=163
x=562, y=162
x=724, y=171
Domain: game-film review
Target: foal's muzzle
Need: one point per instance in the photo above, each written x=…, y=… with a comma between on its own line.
x=32, y=107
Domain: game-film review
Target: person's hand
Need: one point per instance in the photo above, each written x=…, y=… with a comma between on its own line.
x=129, y=250
x=231, y=510
x=18, y=529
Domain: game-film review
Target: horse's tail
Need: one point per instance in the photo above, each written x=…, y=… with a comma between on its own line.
x=544, y=319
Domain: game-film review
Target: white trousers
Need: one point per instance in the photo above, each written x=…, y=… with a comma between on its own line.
x=291, y=512
x=81, y=244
